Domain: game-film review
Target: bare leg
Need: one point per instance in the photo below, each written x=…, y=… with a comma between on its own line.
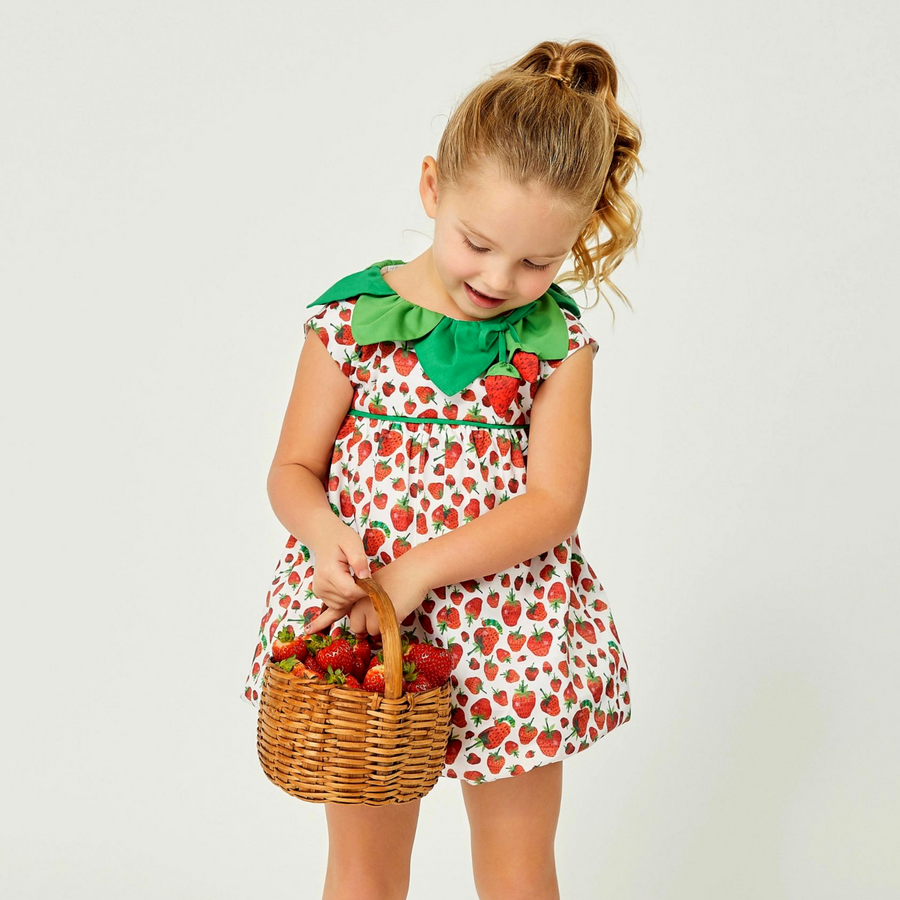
x=369, y=850
x=513, y=831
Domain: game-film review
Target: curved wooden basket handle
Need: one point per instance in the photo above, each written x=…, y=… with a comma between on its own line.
x=390, y=637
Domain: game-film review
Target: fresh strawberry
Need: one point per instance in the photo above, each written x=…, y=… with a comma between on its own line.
x=414, y=681
x=336, y=653
x=362, y=653
x=435, y=663
x=340, y=677
x=286, y=644
x=299, y=670
x=288, y=665
x=314, y=666
x=374, y=680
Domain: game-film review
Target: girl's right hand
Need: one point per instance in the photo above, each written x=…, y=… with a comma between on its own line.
x=339, y=549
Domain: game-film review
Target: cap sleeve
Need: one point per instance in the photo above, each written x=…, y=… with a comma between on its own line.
x=578, y=337
x=331, y=322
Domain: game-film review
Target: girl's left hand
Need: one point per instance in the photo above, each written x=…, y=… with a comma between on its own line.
x=403, y=583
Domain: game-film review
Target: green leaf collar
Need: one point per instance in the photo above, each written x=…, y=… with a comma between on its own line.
x=453, y=352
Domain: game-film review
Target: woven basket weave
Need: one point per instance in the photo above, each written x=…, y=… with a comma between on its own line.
x=330, y=743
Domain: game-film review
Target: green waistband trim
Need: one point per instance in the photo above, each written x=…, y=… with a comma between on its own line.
x=435, y=420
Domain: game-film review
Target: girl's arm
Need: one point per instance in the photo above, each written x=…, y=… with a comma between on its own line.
x=319, y=401
x=557, y=467
x=297, y=480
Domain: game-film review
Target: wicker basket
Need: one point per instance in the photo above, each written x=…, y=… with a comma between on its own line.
x=329, y=743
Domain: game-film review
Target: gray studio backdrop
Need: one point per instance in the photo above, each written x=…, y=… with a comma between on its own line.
x=179, y=180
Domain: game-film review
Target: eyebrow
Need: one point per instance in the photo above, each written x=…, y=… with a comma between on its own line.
x=538, y=255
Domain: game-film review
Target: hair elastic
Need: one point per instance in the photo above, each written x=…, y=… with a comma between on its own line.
x=561, y=78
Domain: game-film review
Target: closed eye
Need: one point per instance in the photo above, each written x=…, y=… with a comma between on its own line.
x=487, y=249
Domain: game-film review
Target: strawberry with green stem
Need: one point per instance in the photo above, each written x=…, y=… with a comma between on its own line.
x=340, y=677
x=335, y=653
x=517, y=364
x=287, y=644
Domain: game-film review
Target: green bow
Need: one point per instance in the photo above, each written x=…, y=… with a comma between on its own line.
x=453, y=352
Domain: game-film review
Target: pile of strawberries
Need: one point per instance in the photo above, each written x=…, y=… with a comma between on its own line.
x=357, y=661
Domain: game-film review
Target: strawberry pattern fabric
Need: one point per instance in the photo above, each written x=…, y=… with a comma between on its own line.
x=538, y=669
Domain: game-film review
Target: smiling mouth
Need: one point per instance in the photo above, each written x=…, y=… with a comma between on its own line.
x=486, y=296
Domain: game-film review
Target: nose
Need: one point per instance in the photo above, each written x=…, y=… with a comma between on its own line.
x=497, y=282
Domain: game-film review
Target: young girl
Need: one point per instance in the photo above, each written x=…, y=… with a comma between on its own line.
x=428, y=395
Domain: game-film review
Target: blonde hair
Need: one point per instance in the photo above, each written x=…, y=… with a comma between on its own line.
x=552, y=118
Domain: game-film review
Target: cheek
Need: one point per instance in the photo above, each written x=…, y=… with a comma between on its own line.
x=539, y=282
x=535, y=284
x=452, y=261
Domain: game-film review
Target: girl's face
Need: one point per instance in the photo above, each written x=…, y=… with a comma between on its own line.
x=498, y=240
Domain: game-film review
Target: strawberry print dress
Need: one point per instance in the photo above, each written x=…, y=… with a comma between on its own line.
x=436, y=436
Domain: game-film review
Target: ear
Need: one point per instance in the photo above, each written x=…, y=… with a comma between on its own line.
x=428, y=186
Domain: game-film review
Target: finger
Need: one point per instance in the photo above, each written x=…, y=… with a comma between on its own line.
x=325, y=618
x=365, y=572
x=338, y=604
x=357, y=619
x=332, y=595
x=351, y=592
x=357, y=567
x=344, y=587
x=368, y=618
x=360, y=566
x=372, y=625
x=336, y=586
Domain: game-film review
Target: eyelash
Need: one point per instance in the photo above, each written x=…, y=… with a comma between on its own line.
x=485, y=250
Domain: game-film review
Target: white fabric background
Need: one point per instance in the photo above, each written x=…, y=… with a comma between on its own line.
x=179, y=180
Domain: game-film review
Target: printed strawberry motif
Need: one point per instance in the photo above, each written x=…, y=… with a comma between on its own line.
x=523, y=700
x=487, y=635
x=581, y=718
x=595, y=686
x=481, y=441
x=549, y=703
x=375, y=535
x=549, y=740
x=401, y=514
x=474, y=414
x=512, y=609
x=495, y=735
x=404, y=361
x=585, y=629
x=527, y=733
x=452, y=452
x=540, y=641
x=389, y=441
